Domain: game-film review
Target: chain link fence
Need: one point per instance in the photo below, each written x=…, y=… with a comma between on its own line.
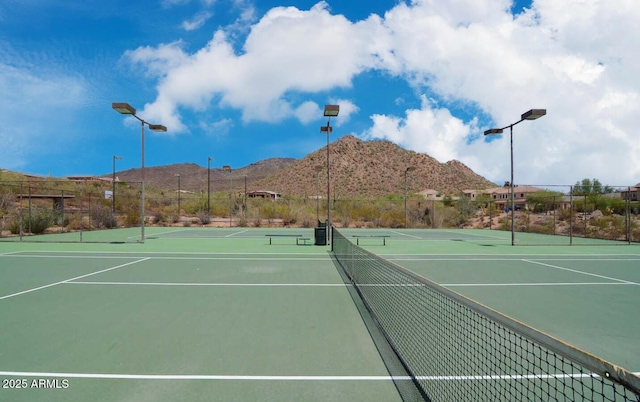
x=39, y=209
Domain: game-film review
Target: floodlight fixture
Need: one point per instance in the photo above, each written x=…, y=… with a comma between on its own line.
x=494, y=131
x=331, y=110
x=157, y=127
x=123, y=108
x=533, y=114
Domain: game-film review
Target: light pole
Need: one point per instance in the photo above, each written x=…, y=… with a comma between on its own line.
x=244, y=200
x=113, y=189
x=530, y=115
x=318, y=169
x=409, y=169
x=209, y=159
x=329, y=111
x=179, y=209
x=125, y=108
x=227, y=168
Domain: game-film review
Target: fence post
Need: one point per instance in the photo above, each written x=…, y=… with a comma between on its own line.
x=571, y=215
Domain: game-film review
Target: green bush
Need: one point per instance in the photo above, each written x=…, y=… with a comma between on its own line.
x=36, y=222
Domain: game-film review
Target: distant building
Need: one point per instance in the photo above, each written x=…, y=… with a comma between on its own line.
x=88, y=179
x=264, y=194
x=631, y=194
x=430, y=194
x=501, y=196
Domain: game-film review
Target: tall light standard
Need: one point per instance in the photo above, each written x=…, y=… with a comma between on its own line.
x=113, y=182
x=125, y=108
x=179, y=209
x=530, y=115
x=329, y=111
x=318, y=169
x=209, y=159
x=409, y=169
x=227, y=168
x=244, y=200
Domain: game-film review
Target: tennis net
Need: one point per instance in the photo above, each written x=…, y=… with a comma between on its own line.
x=455, y=349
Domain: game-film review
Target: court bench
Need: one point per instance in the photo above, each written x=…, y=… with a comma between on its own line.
x=299, y=238
x=384, y=238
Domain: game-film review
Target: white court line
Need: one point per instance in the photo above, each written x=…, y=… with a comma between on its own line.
x=71, y=279
x=206, y=284
x=73, y=256
x=404, y=234
x=512, y=259
x=509, y=257
x=159, y=233
x=479, y=236
x=174, y=258
x=581, y=272
x=153, y=253
x=535, y=284
x=381, y=285
x=236, y=233
x=113, y=376
x=12, y=253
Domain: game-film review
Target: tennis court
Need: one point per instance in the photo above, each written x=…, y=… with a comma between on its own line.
x=199, y=314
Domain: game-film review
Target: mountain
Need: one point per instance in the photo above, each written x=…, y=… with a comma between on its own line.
x=193, y=177
x=358, y=168
x=372, y=168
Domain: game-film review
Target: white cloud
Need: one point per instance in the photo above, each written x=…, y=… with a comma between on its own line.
x=307, y=112
x=287, y=50
x=196, y=21
x=570, y=57
x=218, y=128
x=28, y=99
x=432, y=131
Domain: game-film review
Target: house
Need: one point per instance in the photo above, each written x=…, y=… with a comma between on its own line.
x=88, y=179
x=264, y=194
x=501, y=196
x=631, y=194
x=472, y=194
x=430, y=194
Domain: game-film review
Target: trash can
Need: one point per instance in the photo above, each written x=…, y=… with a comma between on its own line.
x=321, y=236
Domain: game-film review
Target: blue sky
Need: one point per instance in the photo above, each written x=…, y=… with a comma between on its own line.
x=243, y=80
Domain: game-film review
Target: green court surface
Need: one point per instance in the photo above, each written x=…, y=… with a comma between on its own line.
x=204, y=314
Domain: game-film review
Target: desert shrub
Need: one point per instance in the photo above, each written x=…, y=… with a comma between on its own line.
x=306, y=222
x=204, y=217
x=75, y=223
x=132, y=218
x=544, y=226
x=101, y=217
x=158, y=217
x=563, y=214
x=608, y=227
x=14, y=225
x=36, y=222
